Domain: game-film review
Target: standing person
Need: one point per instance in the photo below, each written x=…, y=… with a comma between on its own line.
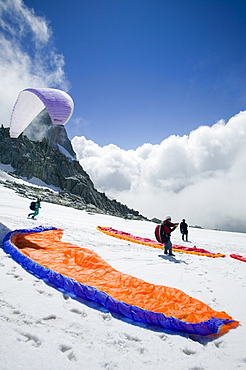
x=35, y=207
x=184, y=229
x=167, y=228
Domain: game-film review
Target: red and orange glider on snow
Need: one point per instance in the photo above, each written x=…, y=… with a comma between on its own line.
x=151, y=243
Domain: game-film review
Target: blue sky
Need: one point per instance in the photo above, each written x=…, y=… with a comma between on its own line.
x=142, y=70
x=159, y=92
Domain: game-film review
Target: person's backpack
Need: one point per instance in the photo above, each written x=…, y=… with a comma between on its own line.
x=32, y=206
x=160, y=234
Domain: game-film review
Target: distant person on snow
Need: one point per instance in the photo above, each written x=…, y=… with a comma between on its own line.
x=167, y=228
x=34, y=206
x=184, y=229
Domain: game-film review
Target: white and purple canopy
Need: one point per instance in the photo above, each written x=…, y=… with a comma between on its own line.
x=31, y=102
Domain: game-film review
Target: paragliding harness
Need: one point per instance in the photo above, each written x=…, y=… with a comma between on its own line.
x=160, y=234
x=32, y=206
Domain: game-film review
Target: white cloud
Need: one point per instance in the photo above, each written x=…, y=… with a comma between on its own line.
x=28, y=57
x=17, y=19
x=200, y=177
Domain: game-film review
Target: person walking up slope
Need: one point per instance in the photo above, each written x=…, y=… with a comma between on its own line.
x=167, y=228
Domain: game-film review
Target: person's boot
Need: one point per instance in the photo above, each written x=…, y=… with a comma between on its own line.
x=165, y=251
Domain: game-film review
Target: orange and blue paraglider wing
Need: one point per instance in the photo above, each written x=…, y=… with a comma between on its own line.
x=82, y=273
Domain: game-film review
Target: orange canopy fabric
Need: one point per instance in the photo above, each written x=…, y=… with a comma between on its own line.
x=152, y=243
x=88, y=268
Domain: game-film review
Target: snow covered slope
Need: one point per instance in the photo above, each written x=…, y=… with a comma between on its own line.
x=43, y=329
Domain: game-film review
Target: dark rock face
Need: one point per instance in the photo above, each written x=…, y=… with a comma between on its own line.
x=42, y=159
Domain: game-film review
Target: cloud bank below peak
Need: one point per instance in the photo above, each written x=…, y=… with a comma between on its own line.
x=200, y=177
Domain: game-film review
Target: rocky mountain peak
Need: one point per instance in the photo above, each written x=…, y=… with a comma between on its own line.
x=43, y=159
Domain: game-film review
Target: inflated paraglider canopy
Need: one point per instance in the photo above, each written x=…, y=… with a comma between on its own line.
x=31, y=102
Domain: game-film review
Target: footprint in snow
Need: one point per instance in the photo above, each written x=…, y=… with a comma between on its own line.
x=64, y=348
x=44, y=293
x=78, y=312
x=71, y=356
x=107, y=316
x=16, y=312
x=50, y=317
x=130, y=337
x=163, y=337
x=33, y=339
x=188, y=351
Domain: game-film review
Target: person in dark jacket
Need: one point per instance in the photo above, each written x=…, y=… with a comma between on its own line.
x=184, y=229
x=167, y=228
x=36, y=209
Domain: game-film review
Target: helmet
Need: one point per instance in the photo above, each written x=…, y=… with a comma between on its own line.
x=167, y=218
